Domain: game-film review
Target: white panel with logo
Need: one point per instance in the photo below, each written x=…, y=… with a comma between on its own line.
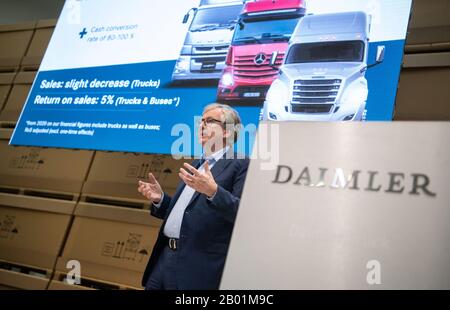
x=346, y=206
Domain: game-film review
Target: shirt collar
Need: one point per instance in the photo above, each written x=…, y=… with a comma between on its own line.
x=219, y=154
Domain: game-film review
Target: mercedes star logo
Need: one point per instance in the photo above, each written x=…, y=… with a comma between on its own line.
x=260, y=58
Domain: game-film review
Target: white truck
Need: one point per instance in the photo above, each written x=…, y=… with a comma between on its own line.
x=207, y=41
x=323, y=74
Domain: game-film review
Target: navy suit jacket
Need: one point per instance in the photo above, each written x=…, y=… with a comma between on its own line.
x=206, y=227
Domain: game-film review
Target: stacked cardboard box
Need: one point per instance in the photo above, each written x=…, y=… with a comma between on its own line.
x=41, y=37
x=39, y=189
x=113, y=232
x=15, y=102
x=14, y=41
x=6, y=81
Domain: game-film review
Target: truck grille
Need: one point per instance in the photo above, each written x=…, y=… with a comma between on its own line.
x=207, y=64
x=245, y=67
x=210, y=49
x=314, y=96
x=208, y=59
x=312, y=108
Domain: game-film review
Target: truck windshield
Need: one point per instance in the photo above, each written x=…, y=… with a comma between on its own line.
x=215, y=18
x=344, y=51
x=264, y=31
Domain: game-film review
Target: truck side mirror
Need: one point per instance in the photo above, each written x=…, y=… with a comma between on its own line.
x=380, y=53
x=273, y=58
x=380, y=56
x=186, y=17
x=233, y=24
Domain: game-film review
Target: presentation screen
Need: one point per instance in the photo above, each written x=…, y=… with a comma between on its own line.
x=135, y=76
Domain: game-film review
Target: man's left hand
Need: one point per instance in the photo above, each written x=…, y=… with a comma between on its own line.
x=202, y=182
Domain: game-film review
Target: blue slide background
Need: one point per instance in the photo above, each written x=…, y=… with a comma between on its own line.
x=382, y=80
x=193, y=100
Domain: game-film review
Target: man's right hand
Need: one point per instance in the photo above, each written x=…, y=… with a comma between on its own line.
x=151, y=189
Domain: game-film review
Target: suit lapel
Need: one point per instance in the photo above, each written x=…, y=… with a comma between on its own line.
x=181, y=186
x=218, y=168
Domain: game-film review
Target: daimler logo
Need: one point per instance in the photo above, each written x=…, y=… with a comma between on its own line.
x=260, y=58
x=370, y=181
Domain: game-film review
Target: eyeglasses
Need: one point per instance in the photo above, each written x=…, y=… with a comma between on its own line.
x=209, y=121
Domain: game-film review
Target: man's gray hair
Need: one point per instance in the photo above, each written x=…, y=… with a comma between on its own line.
x=230, y=118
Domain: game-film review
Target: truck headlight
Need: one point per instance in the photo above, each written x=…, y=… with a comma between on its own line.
x=183, y=64
x=278, y=93
x=356, y=92
x=227, y=79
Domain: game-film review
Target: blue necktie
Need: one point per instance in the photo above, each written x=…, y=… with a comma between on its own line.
x=202, y=160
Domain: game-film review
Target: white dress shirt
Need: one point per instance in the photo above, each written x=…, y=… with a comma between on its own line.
x=173, y=223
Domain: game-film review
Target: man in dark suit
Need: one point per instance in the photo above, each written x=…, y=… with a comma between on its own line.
x=193, y=240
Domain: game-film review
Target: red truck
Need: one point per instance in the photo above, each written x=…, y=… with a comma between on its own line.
x=259, y=43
